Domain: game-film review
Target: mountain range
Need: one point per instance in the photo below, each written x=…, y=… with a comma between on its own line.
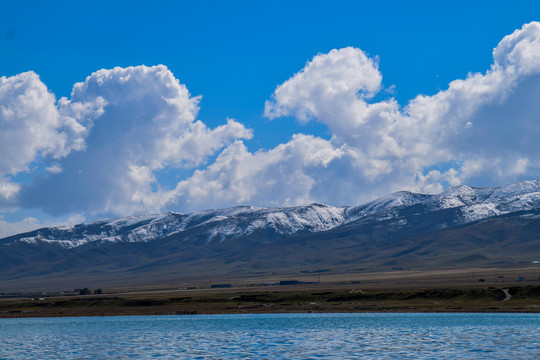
x=462, y=226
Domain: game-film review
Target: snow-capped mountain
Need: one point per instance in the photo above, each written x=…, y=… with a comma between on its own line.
x=266, y=224
x=473, y=204
x=462, y=226
x=212, y=225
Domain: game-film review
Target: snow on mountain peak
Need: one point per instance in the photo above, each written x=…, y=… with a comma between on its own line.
x=216, y=225
x=282, y=221
x=385, y=207
x=481, y=203
x=457, y=196
x=471, y=204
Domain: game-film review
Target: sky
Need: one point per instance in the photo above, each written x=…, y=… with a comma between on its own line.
x=111, y=109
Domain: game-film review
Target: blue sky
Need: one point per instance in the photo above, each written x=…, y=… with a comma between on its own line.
x=237, y=55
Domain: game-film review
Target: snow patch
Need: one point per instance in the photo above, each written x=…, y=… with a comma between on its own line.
x=220, y=225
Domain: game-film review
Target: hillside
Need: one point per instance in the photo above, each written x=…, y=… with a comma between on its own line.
x=461, y=227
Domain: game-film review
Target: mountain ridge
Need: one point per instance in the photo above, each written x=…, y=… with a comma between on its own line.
x=462, y=226
x=475, y=204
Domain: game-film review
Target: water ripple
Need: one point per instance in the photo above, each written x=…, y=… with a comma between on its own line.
x=275, y=336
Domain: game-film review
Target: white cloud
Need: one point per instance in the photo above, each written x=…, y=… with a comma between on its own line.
x=140, y=120
x=8, y=228
x=32, y=128
x=328, y=81
x=8, y=190
x=11, y=228
x=31, y=124
x=489, y=120
x=128, y=124
x=284, y=175
x=54, y=169
x=520, y=50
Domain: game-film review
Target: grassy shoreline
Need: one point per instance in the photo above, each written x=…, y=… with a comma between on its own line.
x=290, y=300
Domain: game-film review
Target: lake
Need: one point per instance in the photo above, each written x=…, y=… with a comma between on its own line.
x=275, y=336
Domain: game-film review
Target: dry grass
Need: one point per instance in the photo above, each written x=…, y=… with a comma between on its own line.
x=451, y=290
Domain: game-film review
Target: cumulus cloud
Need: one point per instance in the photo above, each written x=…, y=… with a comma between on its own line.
x=481, y=130
x=108, y=142
x=285, y=175
x=328, y=81
x=483, y=125
x=31, y=124
x=32, y=128
x=8, y=190
x=140, y=120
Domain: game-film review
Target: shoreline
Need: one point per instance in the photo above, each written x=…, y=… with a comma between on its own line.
x=524, y=299
x=267, y=313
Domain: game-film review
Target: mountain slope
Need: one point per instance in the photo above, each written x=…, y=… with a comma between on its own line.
x=462, y=226
x=212, y=225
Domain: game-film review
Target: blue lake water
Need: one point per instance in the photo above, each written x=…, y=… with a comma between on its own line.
x=275, y=336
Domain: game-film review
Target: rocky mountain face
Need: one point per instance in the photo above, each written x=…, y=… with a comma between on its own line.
x=209, y=226
x=402, y=228
x=467, y=205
